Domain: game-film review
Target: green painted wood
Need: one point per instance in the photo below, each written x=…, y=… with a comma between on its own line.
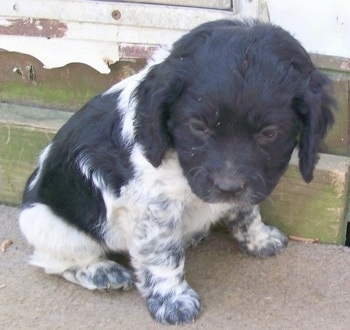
x=67, y=88
x=318, y=210
x=19, y=149
x=24, y=132
x=337, y=141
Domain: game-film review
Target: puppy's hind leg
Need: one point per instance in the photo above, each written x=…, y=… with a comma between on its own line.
x=101, y=275
x=63, y=250
x=253, y=236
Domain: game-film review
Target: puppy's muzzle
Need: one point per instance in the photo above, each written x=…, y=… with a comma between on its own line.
x=233, y=187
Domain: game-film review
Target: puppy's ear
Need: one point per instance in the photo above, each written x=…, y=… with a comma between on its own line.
x=156, y=96
x=314, y=109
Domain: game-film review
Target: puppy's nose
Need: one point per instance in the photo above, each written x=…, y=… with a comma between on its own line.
x=229, y=186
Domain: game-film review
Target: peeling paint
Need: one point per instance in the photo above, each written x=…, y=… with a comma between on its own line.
x=136, y=51
x=345, y=65
x=86, y=32
x=30, y=27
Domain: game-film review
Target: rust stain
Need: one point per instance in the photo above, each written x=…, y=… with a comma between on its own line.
x=345, y=65
x=134, y=51
x=34, y=28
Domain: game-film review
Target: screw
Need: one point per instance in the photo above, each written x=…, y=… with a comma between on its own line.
x=116, y=14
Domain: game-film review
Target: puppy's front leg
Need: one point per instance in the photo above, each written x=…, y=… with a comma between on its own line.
x=158, y=258
x=253, y=236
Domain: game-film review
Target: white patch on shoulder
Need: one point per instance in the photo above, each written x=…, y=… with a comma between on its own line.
x=90, y=173
x=44, y=154
x=127, y=102
x=83, y=162
x=159, y=55
x=121, y=85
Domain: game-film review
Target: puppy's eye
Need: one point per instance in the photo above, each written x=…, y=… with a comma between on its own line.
x=198, y=127
x=268, y=133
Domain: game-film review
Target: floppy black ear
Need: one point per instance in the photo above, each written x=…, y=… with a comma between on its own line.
x=156, y=95
x=314, y=110
x=164, y=84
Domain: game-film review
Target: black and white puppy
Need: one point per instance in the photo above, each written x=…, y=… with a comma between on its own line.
x=203, y=133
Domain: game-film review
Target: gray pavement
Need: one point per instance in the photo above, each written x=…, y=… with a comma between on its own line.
x=306, y=287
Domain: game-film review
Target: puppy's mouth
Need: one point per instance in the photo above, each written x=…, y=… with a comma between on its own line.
x=240, y=194
x=241, y=198
x=211, y=187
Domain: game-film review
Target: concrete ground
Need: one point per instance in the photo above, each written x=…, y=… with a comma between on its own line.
x=306, y=287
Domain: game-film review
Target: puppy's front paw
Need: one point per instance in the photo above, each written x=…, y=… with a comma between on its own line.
x=266, y=242
x=174, y=308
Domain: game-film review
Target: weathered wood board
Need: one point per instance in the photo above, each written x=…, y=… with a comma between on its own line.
x=24, y=132
x=67, y=88
x=337, y=141
x=318, y=210
x=19, y=147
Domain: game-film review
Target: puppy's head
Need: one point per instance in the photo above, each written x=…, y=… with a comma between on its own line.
x=234, y=99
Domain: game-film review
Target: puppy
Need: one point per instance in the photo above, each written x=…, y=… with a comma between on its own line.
x=203, y=133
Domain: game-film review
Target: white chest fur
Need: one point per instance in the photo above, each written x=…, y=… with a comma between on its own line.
x=162, y=191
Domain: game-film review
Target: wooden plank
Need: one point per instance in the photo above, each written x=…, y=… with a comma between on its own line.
x=333, y=63
x=24, y=132
x=318, y=210
x=32, y=117
x=338, y=139
x=19, y=149
x=214, y=4
x=67, y=88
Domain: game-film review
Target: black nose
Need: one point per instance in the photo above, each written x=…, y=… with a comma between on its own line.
x=229, y=186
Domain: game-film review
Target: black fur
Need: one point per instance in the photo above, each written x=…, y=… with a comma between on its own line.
x=93, y=131
x=242, y=83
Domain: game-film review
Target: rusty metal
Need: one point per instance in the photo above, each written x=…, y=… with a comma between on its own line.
x=136, y=51
x=30, y=27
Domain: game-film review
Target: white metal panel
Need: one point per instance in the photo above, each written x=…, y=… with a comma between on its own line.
x=90, y=31
x=215, y=4
x=54, y=53
x=168, y=17
x=323, y=27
